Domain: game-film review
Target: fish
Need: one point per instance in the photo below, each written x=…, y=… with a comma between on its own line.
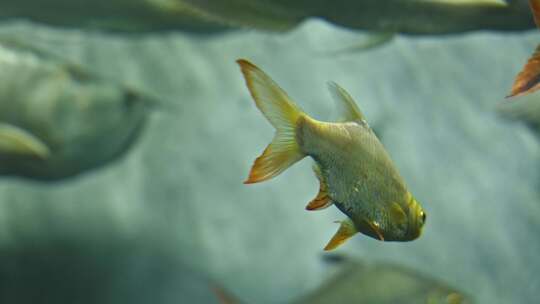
x=528, y=79
x=355, y=280
x=354, y=170
x=417, y=17
x=54, y=113
x=359, y=281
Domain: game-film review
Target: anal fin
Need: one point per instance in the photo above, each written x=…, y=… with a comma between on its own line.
x=345, y=231
x=322, y=200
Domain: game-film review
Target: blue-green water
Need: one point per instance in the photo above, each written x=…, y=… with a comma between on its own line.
x=172, y=213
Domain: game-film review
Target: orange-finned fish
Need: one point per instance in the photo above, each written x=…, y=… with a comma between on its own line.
x=528, y=80
x=354, y=170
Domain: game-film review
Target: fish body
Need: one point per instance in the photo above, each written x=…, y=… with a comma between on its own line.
x=355, y=172
x=361, y=178
x=358, y=281
x=57, y=120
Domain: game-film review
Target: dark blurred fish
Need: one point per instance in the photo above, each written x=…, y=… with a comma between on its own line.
x=57, y=120
x=354, y=170
x=528, y=80
x=73, y=267
x=358, y=283
x=373, y=41
x=210, y=16
x=115, y=15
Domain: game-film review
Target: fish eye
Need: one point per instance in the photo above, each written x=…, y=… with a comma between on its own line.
x=423, y=215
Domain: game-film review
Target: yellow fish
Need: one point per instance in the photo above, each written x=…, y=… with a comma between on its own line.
x=355, y=172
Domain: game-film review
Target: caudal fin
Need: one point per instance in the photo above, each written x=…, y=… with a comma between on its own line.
x=283, y=114
x=535, y=9
x=528, y=80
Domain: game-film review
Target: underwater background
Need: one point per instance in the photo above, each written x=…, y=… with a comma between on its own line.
x=169, y=221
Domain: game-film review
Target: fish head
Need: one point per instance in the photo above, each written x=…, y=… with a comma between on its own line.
x=416, y=220
x=404, y=221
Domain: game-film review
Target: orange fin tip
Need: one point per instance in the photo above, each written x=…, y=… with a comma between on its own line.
x=528, y=80
x=283, y=114
x=322, y=200
x=535, y=9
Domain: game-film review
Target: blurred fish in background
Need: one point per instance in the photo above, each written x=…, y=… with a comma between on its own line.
x=170, y=220
x=356, y=282
x=58, y=120
x=527, y=80
x=210, y=16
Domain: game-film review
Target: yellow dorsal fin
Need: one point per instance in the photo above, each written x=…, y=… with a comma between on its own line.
x=322, y=200
x=345, y=231
x=347, y=108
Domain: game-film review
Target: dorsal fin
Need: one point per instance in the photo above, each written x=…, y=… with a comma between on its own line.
x=322, y=200
x=347, y=108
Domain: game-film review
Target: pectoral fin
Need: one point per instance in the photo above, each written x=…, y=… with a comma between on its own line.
x=16, y=141
x=376, y=228
x=345, y=231
x=322, y=200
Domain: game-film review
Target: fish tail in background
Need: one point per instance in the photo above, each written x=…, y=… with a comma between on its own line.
x=535, y=8
x=528, y=80
x=283, y=114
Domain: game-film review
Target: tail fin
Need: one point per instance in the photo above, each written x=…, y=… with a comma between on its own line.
x=528, y=80
x=283, y=114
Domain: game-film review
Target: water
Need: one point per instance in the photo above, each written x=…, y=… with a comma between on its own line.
x=176, y=200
